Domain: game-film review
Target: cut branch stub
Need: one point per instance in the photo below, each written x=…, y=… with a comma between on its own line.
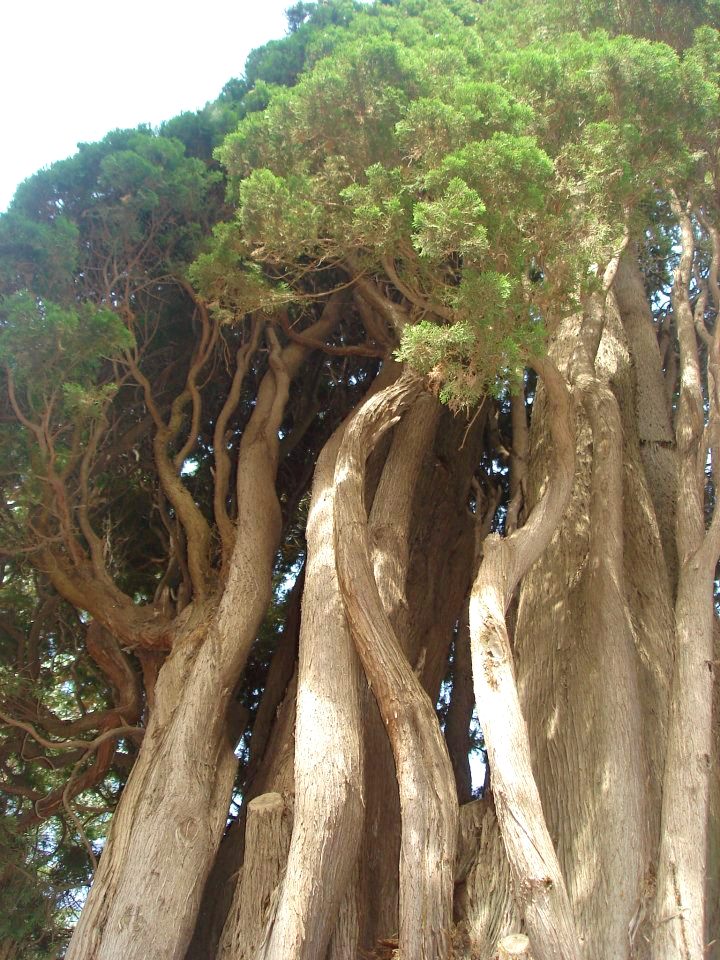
x=427, y=791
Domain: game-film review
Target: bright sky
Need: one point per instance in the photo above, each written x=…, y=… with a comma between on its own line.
x=71, y=70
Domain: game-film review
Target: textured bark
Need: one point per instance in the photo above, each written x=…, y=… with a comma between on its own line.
x=427, y=797
x=328, y=761
x=267, y=839
x=540, y=886
x=485, y=908
x=174, y=807
x=607, y=620
x=269, y=769
x=390, y=528
x=682, y=867
x=571, y=650
x=168, y=815
x=652, y=414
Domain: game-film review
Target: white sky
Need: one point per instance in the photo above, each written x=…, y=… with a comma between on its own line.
x=72, y=70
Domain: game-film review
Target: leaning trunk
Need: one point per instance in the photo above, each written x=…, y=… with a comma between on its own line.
x=175, y=804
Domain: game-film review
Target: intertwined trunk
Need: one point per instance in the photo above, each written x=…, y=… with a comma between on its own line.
x=146, y=894
x=593, y=644
x=428, y=801
x=681, y=883
x=540, y=887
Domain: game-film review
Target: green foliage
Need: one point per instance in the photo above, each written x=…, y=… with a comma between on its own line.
x=487, y=345
x=45, y=345
x=451, y=224
x=379, y=209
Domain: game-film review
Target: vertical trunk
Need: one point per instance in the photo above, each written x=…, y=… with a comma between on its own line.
x=651, y=409
x=485, y=907
x=540, y=887
x=585, y=668
x=427, y=796
x=328, y=761
x=267, y=838
x=269, y=770
x=390, y=526
x=611, y=686
x=682, y=868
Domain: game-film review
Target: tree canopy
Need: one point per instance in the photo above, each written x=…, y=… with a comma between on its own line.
x=190, y=316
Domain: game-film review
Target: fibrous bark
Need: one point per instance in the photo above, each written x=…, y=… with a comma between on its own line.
x=540, y=886
x=174, y=806
x=427, y=796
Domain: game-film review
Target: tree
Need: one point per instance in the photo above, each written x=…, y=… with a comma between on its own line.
x=441, y=387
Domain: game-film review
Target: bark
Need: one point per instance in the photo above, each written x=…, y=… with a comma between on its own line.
x=607, y=621
x=328, y=807
x=328, y=767
x=485, y=908
x=267, y=839
x=539, y=882
x=390, y=525
x=515, y=945
x=173, y=809
x=577, y=654
x=651, y=410
x=270, y=770
x=427, y=797
x=169, y=821
x=682, y=868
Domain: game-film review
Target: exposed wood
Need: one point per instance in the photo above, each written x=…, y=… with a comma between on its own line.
x=267, y=839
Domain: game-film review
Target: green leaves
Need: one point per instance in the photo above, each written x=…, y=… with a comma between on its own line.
x=484, y=348
x=47, y=347
x=278, y=214
x=443, y=146
x=379, y=210
x=451, y=224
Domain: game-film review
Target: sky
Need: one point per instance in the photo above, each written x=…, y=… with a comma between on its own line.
x=71, y=70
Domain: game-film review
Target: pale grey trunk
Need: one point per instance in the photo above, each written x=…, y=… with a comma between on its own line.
x=427, y=796
x=593, y=686
x=539, y=884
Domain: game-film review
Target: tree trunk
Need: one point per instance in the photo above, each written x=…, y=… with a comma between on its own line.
x=539, y=883
x=174, y=806
x=328, y=758
x=164, y=834
x=682, y=868
x=427, y=796
x=593, y=680
x=267, y=839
